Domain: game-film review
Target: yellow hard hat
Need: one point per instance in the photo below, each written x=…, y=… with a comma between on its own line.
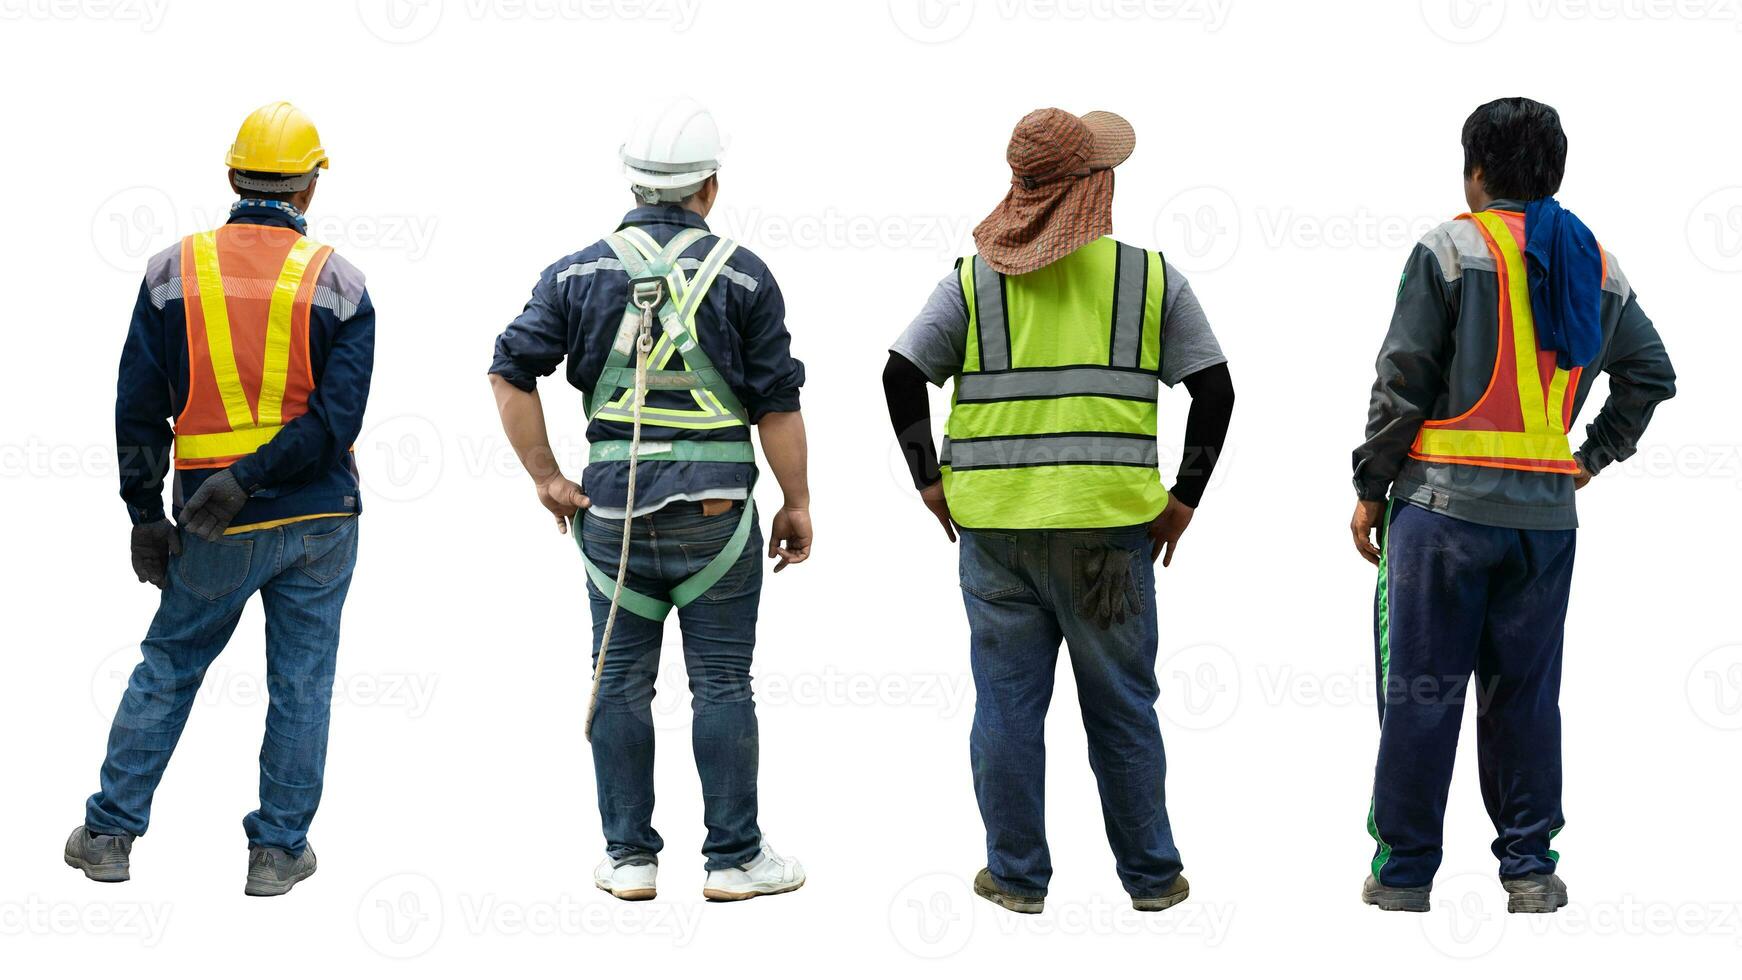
x=277, y=139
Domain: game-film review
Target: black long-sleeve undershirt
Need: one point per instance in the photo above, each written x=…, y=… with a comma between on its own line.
x=910, y=415
x=1212, y=392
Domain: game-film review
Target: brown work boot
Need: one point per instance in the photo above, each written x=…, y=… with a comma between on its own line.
x=988, y=888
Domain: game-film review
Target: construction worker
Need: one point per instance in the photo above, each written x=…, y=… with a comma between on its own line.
x=1504, y=318
x=258, y=343
x=678, y=339
x=1056, y=335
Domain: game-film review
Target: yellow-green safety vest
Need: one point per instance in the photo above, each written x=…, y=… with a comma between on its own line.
x=1053, y=421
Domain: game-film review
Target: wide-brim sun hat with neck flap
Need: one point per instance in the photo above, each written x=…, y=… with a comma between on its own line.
x=1061, y=188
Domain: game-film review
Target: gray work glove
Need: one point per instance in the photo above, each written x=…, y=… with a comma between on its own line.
x=213, y=506
x=1111, y=595
x=152, y=545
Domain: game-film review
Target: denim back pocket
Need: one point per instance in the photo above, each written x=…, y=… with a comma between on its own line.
x=1082, y=578
x=989, y=565
x=213, y=569
x=702, y=542
x=328, y=555
x=596, y=528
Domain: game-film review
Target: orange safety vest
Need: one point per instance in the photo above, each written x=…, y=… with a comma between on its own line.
x=1520, y=422
x=248, y=289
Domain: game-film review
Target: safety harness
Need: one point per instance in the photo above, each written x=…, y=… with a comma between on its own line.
x=659, y=289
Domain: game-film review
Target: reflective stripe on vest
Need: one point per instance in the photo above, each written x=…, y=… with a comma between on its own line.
x=1128, y=383
x=1520, y=422
x=1053, y=420
x=1073, y=449
x=247, y=303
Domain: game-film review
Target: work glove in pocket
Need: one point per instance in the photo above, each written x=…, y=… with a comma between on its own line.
x=1109, y=594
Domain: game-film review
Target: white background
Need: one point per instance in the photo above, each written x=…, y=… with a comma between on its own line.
x=1288, y=156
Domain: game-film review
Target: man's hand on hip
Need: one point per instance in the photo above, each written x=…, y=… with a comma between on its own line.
x=933, y=498
x=563, y=498
x=1167, y=528
x=1368, y=514
x=152, y=546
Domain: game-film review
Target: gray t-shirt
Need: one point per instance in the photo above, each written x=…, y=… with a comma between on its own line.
x=937, y=340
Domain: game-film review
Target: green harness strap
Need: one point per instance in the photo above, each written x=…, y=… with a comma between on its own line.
x=687, y=451
x=661, y=264
x=690, y=589
x=635, y=250
x=677, y=317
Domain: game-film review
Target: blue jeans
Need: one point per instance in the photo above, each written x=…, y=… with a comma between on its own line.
x=1456, y=600
x=719, y=637
x=1021, y=590
x=302, y=572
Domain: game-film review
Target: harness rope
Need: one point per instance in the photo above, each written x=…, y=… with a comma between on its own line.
x=648, y=296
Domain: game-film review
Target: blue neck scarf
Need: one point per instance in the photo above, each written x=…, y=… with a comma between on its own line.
x=289, y=209
x=1566, y=282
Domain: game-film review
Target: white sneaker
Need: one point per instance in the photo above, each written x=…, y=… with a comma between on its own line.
x=767, y=874
x=629, y=882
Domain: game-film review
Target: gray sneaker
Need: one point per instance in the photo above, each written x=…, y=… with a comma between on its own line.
x=100, y=856
x=1535, y=893
x=1179, y=891
x=272, y=871
x=987, y=888
x=1395, y=899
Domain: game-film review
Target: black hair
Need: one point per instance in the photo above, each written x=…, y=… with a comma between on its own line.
x=1520, y=147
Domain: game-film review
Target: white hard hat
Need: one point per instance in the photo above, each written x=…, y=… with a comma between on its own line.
x=676, y=147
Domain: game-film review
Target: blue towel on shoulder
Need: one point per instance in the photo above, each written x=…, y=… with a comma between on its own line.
x=1566, y=282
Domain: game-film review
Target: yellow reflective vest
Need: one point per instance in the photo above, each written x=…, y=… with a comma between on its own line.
x=1053, y=421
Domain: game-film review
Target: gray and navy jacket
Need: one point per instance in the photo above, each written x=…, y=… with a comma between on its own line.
x=1437, y=360
x=307, y=468
x=575, y=311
